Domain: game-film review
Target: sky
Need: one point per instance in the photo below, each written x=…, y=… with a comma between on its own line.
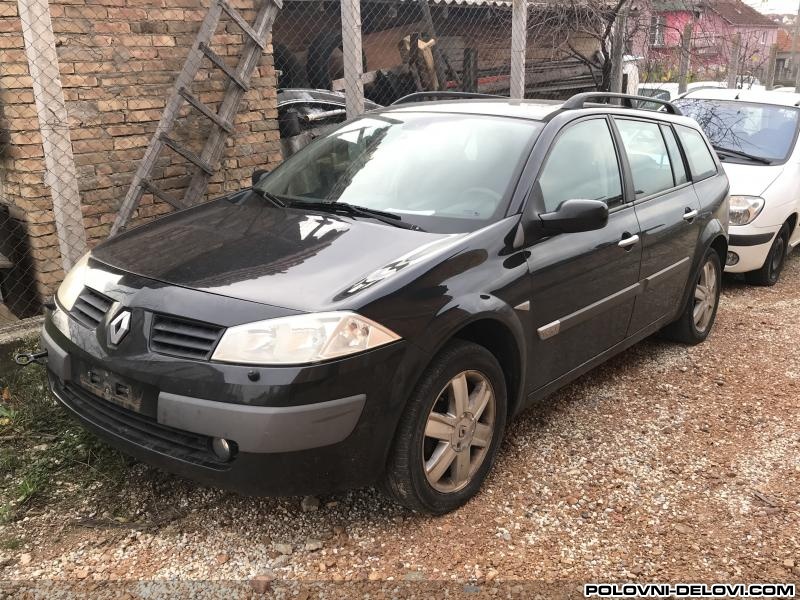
x=774, y=6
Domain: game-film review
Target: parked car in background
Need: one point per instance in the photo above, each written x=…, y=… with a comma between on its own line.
x=755, y=135
x=378, y=307
x=670, y=90
x=304, y=114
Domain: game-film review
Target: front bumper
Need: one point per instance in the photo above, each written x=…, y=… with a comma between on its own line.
x=298, y=430
x=751, y=245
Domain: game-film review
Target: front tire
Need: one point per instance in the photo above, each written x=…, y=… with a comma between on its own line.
x=449, y=436
x=700, y=312
x=770, y=272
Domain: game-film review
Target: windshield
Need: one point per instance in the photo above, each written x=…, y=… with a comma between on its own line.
x=761, y=130
x=446, y=173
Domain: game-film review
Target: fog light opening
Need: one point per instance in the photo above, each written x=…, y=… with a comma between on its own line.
x=224, y=449
x=732, y=259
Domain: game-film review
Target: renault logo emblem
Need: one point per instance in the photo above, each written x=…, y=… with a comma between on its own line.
x=119, y=327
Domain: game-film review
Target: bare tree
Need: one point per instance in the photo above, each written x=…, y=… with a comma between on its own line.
x=585, y=30
x=706, y=55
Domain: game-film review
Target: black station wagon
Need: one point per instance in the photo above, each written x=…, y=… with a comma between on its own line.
x=379, y=306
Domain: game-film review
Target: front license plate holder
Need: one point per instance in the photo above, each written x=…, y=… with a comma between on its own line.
x=111, y=387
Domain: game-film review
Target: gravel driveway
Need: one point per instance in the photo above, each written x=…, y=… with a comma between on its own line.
x=667, y=464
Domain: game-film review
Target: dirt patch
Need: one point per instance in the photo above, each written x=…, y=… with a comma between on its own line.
x=667, y=464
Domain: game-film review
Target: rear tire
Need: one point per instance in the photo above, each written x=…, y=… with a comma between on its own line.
x=770, y=272
x=700, y=312
x=449, y=436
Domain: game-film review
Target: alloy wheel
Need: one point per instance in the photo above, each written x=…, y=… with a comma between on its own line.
x=458, y=432
x=705, y=296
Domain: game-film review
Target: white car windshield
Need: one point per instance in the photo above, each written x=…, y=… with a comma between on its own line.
x=764, y=131
x=446, y=173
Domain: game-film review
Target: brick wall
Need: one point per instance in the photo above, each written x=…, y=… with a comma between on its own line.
x=118, y=60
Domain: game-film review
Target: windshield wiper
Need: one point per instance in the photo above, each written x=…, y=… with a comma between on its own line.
x=358, y=211
x=741, y=154
x=270, y=197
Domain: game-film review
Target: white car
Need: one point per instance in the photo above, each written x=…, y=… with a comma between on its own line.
x=755, y=135
x=669, y=90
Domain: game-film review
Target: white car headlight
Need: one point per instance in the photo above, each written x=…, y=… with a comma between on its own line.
x=73, y=283
x=301, y=339
x=744, y=209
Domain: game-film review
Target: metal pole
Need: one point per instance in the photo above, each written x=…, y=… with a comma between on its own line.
x=519, y=44
x=61, y=174
x=352, y=55
x=771, y=65
x=797, y=79
x=733, y=63
x=683, y=71
x=470, y=75
x=618, y=49
x=795, y=35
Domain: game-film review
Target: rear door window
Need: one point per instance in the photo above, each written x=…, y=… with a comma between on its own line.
x=647, y=155
x=701, y=163
x=678, y=168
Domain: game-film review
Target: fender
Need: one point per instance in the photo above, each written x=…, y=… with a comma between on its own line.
x=460, y=312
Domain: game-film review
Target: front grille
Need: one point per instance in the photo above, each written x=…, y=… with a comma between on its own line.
x=138, y=429
x=182, y=338
x=91, y=307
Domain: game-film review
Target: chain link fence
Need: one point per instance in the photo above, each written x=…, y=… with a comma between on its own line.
x=84, y=85
x=409, y=46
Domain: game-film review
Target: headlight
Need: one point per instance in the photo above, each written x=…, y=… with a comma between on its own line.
x=73, y=283
x=744, y=209
x=301, y=339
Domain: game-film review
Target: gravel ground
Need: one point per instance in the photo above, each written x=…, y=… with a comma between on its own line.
x=667, y=464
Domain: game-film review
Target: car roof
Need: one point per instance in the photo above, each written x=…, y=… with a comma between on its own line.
x=759, y=96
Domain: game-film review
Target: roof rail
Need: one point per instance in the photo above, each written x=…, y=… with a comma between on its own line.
x=444, y=95
x=578, y=101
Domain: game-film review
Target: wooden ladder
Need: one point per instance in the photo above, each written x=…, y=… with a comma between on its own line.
x=222, y=120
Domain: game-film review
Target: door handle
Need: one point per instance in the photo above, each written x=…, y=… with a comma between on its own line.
x=628, y=241
x=689, y=215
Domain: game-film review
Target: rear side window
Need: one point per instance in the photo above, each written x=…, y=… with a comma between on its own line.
x=647, y=156
x=701, y=163
x=582, y=166
x=678, y=168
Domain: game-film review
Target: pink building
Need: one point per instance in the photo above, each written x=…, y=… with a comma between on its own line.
x=715, y=24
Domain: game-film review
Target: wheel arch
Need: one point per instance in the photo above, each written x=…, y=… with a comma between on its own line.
x=714, y=237
x=792, y=222
x=498, y=338
x=720, y=245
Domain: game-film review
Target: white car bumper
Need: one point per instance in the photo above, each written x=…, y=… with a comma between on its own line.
x=750, y=245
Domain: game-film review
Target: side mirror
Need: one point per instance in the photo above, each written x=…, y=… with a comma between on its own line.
x=258, y=175
x=574, y=216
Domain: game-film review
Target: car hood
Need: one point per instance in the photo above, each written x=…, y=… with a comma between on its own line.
x=751, y=180
x=245, y=248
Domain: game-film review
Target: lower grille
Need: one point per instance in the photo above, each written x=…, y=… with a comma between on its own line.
x=182, y=338
x=138, y=429
x=90, y=307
